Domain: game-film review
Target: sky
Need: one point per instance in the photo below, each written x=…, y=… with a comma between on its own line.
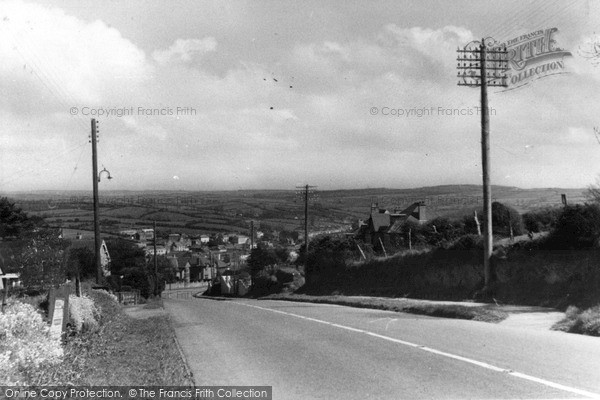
x=230, y=95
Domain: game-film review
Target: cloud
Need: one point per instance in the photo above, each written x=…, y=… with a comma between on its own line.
x=185, y=49
x=64, y=59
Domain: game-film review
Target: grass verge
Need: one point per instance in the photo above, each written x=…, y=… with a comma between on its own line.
x=586, y=322
x=124, y=351
x=474, y=313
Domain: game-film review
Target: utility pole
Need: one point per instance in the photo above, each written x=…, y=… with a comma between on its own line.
x=306, y=188
x=473, y=70
x=155, y=263
x=97, y=241
x=251, y=235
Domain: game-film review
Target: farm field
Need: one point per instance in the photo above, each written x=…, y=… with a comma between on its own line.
x=232, y=211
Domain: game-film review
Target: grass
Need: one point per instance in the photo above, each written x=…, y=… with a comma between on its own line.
x=474, y=313
x=586, y=322
x=124, y=351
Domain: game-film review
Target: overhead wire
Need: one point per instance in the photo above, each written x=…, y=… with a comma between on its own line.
x=52, y=84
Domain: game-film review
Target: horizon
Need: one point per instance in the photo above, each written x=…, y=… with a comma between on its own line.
x=229, y=96
x=449, y=186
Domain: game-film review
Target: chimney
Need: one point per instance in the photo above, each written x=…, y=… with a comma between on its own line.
x=422, y=211
x=374, y=207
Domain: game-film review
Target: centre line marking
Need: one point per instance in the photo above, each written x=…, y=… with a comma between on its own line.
x=438, y=352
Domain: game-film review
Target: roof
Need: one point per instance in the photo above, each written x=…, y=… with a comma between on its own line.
x=87, y=243
x=396, y=226
x=380, y=220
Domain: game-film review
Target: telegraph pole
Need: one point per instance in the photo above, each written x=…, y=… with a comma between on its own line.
x=97, y=242
x=473, y=69
x=251, y=235
x=155, y=264
x=306, y=188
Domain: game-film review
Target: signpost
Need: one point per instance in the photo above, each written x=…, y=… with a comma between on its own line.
x=58, y=310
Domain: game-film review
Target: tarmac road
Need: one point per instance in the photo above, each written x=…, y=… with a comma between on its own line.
x=317, y=351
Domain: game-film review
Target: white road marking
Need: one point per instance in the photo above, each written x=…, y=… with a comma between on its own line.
x=438, y=352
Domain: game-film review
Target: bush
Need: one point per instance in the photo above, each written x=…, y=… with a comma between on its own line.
x=329, y=254
x=467, y=242
x=541, y=220
x=578, y=227
x=83, y=314
x=576, y=321
x=443, y=230
x=25, y=343
x=106, y=303
x=504, y=218
x=264, y=283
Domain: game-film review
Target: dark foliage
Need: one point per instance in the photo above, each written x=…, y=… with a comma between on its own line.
x=443, y=230
x=129, y=262
x=261, y=257
x=13, y=220
x=541, y=220
x=328, y=253
x=577, y=227
x=81, y=260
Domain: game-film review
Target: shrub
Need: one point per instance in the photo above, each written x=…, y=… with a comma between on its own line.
x=264, y=283
x=577, y=227
x=25, y=343
x=467, y=242
x=83, y=314
x=329, y=254
x=505, y=217
x=541, y=220
x=443, y=230
x=106, y=303
x=576, y=321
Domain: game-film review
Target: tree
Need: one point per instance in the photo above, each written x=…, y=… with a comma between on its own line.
x=129, y=261
x=442, y=229
x=13, y=220
x=592, y=194
x=261, y=257
x=38, y=254
x=505, y=218
x=541, y=220
x=81, y=262
x=577, y=227
x=329, y=253
x=42, y=260
x=125, y=256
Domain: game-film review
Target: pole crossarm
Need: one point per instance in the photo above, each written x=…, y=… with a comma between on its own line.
x=482, y=55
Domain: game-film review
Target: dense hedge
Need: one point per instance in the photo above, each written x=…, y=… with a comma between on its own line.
x=522, y=275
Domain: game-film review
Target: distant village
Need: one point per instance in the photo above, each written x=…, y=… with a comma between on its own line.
x=202, y=257
x=198, y=257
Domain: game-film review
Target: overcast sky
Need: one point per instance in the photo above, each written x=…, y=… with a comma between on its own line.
x=273, y=94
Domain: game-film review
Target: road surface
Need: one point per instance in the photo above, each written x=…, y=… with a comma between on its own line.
x=317, y=351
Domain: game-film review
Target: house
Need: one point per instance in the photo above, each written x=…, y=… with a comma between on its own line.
x=128, y=233
x=176, y=242
x=386, y=227
x=204, y=239
x=145, y=234
x=242, y=239
x=161, y=250
x=11, y=279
